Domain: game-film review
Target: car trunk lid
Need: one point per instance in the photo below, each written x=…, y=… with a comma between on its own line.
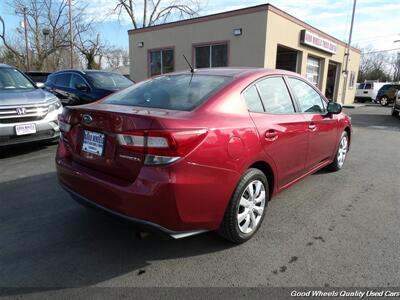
x=100, y=124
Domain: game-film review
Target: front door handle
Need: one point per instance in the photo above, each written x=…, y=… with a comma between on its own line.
x=271, y=135
x=312, y=126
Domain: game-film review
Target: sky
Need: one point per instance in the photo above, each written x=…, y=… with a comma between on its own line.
x=377, y=22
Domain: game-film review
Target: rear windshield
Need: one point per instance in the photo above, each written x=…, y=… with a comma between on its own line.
x=175, y=92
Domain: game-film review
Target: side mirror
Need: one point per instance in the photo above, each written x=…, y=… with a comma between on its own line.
x=40, y=85
x=334, y=108
x=81, y=87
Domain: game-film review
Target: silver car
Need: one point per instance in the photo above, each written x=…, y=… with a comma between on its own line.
x=27, y=113
x=396, y=105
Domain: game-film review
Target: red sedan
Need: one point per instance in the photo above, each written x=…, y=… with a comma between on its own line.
x=190, y=152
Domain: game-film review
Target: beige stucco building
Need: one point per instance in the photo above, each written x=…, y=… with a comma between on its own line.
x=260, y=36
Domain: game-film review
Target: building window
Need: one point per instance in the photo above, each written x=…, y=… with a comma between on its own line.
x=161, y=61
x=288, y=59
x=313, y=70
x=211, y=56
x=352, y=79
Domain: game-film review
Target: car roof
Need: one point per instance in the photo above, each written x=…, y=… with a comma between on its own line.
x=82, y=72
x=37, y=73
x=5, y=66
x=236, y=72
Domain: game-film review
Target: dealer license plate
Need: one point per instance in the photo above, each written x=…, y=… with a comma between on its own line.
x=93, y=142
x=25, y=129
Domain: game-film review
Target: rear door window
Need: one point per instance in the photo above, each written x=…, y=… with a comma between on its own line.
x=253, y=99
x=175, y=92
x=275, y=96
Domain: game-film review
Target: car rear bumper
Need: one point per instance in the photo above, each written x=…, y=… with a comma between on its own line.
x=180, y=199
x=141, y=224
x=46, y=129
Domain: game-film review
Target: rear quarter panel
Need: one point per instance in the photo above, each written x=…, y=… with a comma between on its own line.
x=209, y=175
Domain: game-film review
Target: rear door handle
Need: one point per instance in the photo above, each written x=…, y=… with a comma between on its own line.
x=312, y=127
x=271, y=135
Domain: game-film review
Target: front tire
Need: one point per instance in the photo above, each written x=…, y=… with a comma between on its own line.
x=246, y=210
x=384, y=101
x=341, y=153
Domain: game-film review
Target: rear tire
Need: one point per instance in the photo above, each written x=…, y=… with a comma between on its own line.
x=246, y=209
x=341, y=153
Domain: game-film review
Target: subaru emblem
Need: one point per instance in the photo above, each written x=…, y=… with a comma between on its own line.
x=87, y=119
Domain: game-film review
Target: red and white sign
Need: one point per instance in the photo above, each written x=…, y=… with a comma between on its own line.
x=314, y=40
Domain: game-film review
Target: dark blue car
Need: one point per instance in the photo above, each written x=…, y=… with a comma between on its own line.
x=75, y=87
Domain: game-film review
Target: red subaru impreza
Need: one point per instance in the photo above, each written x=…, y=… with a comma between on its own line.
x=196, y=151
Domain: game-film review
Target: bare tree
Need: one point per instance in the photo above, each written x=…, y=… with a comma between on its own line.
x=116, y=57
x=10, y=51
x=396, y=66
x=44, y=16
x=92, y=49
x=152, y=12
x=374, y=65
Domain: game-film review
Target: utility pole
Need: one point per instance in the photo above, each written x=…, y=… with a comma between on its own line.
x=71, y=35
x=347, y=54
x=45, y=32
x=26, y=39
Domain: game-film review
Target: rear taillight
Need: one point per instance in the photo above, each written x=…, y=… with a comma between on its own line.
x=162, y=147
x=63, y=123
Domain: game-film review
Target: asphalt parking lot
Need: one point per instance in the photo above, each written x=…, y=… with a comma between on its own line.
x=331, y=229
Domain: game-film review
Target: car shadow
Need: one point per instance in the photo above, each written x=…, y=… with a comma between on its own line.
x=48, y=241
x=323, y=171
x=379, y=121
x=23, y=149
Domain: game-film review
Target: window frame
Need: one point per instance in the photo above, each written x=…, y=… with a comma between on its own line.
x=324, y=100
x=210, y=44
x=160, y=49
x=254, y=83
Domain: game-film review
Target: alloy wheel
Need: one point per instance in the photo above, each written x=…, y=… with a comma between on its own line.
x=342, y=151
x=251, y=207
x=384, y=101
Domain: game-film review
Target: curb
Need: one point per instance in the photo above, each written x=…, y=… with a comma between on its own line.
x=353, y=106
